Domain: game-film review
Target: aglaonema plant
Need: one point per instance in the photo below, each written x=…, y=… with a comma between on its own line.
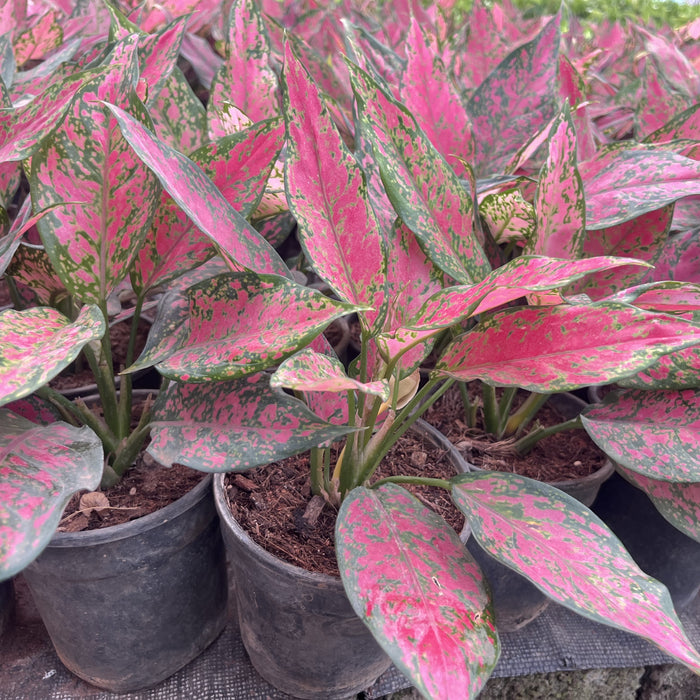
x=106, y=223
x=406, y=573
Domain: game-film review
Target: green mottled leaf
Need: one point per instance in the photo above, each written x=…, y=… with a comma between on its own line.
x=233, y=426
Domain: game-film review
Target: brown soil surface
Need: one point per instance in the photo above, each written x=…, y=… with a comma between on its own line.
x=566, y=455
x=145, y=488
x=269, y=502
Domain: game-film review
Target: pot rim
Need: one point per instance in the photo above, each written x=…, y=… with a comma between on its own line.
x=275, y=562
x=113, y=533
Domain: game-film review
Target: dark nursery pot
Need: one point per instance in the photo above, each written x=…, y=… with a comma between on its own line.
x=518, y=602
x=128, y=605
x=661, y=550
x=298, y=627
x=7, y=605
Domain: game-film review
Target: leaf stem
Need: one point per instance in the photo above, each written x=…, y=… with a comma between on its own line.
x=527, y=442
x=417, y=480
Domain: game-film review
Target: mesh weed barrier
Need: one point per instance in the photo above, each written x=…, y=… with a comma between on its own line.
x=557, y=640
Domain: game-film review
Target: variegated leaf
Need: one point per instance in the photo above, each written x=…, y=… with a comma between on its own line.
x=328, y=196
x=559, y=203
x=238, y=166
x=245, y=78
x=422, y=188
x=158, y=54
x=683, y=126
x=653, y=433
x=411, y=580
x=32, y=268
x=109, y=196
x=677, y=370
x=429, y=94
x=569, y=554
x=22, y=223
x=233, y=426
x=238, y=242
x=241, y=323
x=40, y=468
x=624, y=183
x=411, y=280
x=509, y=217
x=516, y=100
x=559, y=348
x=522, y=275
x=678, y=502
x=312, y=371
x=39, y=39
x=23, y=128
x=642, y=238
x=36, y=344
x=179, y=117
x=679, y=259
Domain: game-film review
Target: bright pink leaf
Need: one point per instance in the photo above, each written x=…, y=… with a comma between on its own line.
x=654, y=433
x=328, y=197
x=409, y=577
x=569, y=554
x=559, y=348
x=40, y=468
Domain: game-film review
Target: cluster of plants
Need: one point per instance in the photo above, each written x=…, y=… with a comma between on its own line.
x=500, y=195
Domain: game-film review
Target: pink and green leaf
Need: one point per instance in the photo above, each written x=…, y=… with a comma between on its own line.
x=411, y=580
x=158, y=54
x=421, y=186
x=246, y=78
x=429, y=94
x=623, y=183
x=516, y=99
x=179, y=118
x=233, y=426
x=312, y=371
x=516, y=278
x=241, y=323
x=678, y=502
x=327, y=194
x=40, y=469
x=559, y=202
x=37, y=343
x=569, y=554
x=653, y=433
x=559, y=348
x=240, y=244
x=39, y=39
x=642, y=238
x=679, y=258
x=509, y=216
x=109, y=197
x=23, y=128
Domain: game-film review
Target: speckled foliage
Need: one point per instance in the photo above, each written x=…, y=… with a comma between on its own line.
x=35, y=483
x=409, y=577
x=569, y=553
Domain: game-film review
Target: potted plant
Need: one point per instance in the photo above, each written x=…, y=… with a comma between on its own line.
x=410, y=280
x=397, y=287
x=103, y=218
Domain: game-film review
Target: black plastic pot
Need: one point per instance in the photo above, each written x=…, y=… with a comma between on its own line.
x=660, y=549
x=128, y=605
x=298, y=628
x=7, y=605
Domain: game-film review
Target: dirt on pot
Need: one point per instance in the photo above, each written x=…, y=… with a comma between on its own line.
x=270, y=502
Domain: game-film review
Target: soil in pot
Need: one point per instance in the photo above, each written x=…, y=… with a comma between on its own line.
x=128, y=605
x=297, y=625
